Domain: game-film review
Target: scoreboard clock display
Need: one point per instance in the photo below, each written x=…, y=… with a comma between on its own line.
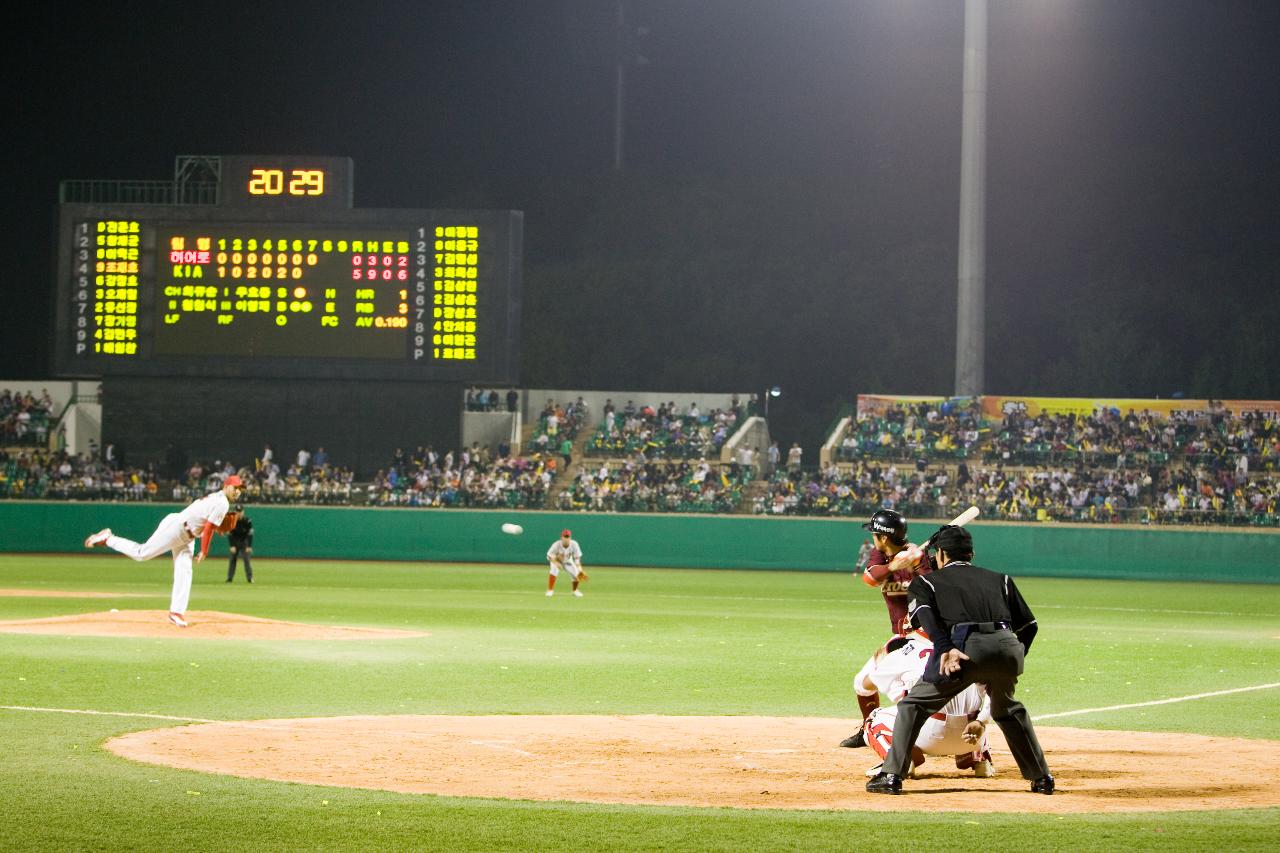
x=240, y=289
x=286, y=182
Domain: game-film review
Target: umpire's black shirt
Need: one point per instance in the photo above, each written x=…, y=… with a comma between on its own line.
x=960, y=593
x=241, y=535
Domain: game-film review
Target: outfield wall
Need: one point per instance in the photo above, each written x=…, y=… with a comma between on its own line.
x=722, y=541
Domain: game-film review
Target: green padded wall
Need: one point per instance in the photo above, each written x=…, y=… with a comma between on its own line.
x=733, y=542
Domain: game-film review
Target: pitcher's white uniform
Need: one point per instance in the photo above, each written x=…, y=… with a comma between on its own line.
x=177, y=533
x=565, y=555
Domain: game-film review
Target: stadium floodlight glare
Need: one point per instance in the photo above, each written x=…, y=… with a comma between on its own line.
x=771, y=391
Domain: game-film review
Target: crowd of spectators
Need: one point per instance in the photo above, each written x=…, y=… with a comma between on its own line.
x=646, y=485
x=948, y=430
x=25, y=419
x=488, y=400
x=1216, y=439
x=664, y=432
x=557, y=428
x=310, y=477
x=37, y=474
x=953, y=430
x=923, y=459
x=1183, y=494
x=472, y=477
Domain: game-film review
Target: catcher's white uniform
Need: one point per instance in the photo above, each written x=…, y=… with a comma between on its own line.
x=942, y=733
x=177, y=533
x=887, y=669
x=892, y=670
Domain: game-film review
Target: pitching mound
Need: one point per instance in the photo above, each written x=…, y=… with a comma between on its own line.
x=202, y=625
x=739, y=762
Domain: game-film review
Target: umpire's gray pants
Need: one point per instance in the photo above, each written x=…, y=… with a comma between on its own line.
x=994, y=660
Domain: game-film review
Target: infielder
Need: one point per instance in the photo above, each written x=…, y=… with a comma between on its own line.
x=177, y=534
x=958, y=729
x=891, y=566
x=565, y=554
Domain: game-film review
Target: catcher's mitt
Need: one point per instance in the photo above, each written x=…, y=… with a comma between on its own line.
x=228, y=522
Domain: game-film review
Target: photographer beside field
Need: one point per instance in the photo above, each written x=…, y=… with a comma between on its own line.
x=981, y=631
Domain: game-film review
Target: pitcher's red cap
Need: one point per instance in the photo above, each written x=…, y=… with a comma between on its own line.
x=233, y=480
x=566, y=533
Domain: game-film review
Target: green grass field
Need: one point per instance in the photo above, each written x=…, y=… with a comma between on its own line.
x=642, y=641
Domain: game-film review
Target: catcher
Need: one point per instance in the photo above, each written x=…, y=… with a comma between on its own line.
x=565, y=554
x=958, y=730
x=177, y=533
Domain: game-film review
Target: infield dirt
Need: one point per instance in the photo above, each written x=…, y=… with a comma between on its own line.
x=202, y=624
x=737, y=762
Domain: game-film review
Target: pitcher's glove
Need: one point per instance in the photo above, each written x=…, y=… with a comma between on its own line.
x=228, y=522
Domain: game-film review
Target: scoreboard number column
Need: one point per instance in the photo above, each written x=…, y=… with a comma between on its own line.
x=419, y=340
x=80, y=288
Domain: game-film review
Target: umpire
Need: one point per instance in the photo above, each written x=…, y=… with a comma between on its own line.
x=981, y=629
x=241, y=541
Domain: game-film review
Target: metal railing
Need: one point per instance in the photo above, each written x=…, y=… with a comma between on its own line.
x=138, y=192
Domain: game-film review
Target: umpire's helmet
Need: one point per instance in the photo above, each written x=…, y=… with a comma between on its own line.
x=888, y=523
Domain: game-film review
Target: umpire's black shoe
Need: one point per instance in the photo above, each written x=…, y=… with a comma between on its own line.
x=855, y=740
x=1043, y=785
x=885, y=783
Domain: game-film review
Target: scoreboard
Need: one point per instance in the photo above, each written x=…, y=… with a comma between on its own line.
x=282, y=278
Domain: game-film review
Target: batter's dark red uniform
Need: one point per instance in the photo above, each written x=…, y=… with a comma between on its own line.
x=893, y=586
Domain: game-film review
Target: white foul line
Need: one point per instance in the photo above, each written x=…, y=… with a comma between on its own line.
x=493, y=745
x=109, y=714
x=1154, y=702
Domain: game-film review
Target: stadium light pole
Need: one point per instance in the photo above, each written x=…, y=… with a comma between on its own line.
x=619, y=84
x=772, y=391
x=972, y=266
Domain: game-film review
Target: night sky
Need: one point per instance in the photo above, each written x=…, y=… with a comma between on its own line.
x=1143, y=132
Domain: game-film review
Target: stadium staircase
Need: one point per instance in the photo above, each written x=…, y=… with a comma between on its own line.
x=757, y=488
x=564, y=473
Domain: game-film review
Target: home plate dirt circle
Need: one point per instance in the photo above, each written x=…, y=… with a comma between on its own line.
x=738, y=762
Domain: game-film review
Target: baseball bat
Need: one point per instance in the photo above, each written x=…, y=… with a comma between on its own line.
x=959, y=521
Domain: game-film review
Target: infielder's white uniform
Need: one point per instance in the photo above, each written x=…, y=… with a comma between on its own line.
x=177, y=533
x=567, y=557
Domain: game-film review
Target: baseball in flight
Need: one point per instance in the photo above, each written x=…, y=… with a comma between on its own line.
x=513, y=529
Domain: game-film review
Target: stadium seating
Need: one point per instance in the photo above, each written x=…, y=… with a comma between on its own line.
x=663, y=433
x=651, y=486
x=924, y=459
x=25, y=419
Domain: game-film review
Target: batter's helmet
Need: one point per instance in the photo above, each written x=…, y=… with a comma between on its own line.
x=888, y=523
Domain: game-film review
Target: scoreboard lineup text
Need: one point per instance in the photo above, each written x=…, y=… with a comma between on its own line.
x=280, y=276
x=275, y=290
